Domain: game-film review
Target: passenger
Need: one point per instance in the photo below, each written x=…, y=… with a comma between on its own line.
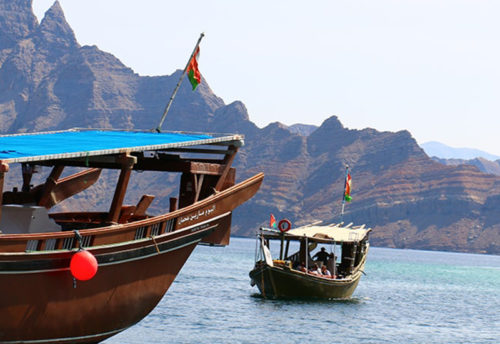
x=323, y=255
x=315, y=270
x=301, y=267
x=325, y=271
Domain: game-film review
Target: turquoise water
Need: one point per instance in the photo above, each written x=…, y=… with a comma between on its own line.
x=407, y=296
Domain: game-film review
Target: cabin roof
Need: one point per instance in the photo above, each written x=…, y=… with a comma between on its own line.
x=334, y=232
x=74, y=143
x=326, y=233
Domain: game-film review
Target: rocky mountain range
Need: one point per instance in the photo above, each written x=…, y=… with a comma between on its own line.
x=484, y=165
x=442, y=151
x=49, y=82
x=302, y=129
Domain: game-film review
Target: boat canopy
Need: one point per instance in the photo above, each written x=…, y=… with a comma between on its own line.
x=327, y=233
x=333, y=232
x=77, y=143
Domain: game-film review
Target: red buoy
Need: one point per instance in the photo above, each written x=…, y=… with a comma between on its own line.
x=83, y=265
x=284, y=225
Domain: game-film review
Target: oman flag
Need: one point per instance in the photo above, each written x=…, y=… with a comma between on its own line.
x=194, y=74
x=272, y=222
x=347, y=190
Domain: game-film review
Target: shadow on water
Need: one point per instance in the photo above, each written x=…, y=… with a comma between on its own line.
x=301, y=301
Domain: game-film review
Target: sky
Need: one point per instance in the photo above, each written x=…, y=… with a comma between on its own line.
x=431, y=67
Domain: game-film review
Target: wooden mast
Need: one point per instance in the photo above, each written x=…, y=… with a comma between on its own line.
x=158, y=128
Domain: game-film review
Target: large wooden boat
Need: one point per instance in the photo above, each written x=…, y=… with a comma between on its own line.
x=297, y=275
x=138, y=255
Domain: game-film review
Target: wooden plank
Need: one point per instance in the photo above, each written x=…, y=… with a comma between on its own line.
x=71, y=185
x=211, y=167
x=4, y=167
x=143, y=205
x=49, y=185
x=198, y=150
x=228, y=160
x=198, y=184
x=121, y=188
x=28, y=171
x=126, y=212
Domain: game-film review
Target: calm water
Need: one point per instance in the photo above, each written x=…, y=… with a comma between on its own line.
x=407, y=297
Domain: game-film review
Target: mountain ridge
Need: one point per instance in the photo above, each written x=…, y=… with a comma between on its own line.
x=442, y=151
x=484, y=165
x=49, y=82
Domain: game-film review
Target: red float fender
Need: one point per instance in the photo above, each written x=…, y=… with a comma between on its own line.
x=284, y=225
x=83, y=265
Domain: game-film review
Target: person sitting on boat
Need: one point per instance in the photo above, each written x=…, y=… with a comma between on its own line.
x=301, y=267
x=323, y=255
x=325, y=271
x=315, y=270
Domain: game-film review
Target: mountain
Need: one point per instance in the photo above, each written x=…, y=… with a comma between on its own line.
x=484, y=165
x=302, y=129
x=409, y=199
x=49, y=82
x=485, y=162
x=442, y=151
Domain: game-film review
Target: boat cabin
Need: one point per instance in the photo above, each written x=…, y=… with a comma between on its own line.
x=341, y=248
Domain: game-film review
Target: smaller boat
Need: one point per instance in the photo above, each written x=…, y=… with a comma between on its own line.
x=335, y=273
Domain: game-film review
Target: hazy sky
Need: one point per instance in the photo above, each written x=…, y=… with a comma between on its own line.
x=431, y=67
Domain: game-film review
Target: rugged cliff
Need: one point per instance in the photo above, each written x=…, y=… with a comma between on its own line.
x=48, y=82
x=409, y=199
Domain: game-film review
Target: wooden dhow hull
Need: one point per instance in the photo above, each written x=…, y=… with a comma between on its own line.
x=138, y=261
x=276, y=283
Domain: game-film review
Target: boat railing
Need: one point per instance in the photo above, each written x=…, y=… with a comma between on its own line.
x=287, y=265
x=111, y=234
x=67, y=240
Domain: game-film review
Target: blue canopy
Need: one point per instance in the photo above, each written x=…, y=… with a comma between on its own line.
x=79, y=143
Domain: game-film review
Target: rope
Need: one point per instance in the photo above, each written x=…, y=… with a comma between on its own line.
x=156, y=245
x=78, y=237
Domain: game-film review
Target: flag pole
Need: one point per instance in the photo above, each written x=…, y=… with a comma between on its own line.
x=158, y=128
x=343, y=195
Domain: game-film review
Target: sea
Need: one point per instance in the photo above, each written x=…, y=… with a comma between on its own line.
x=407, y=296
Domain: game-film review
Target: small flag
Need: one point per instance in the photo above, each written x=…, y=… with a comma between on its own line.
x=347, y=189
x=272, y=222
x=194, y=74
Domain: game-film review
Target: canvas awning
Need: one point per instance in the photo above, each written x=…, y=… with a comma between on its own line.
x=75, y=143
x=331, y=233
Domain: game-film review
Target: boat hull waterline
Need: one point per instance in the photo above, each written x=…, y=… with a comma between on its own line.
x=281, y=283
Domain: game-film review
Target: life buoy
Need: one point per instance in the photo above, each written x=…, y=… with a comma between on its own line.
x=284, y=225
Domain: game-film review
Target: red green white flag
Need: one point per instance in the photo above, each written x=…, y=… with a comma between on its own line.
x=272, y=222
x=193, y=72
x=347, y=189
